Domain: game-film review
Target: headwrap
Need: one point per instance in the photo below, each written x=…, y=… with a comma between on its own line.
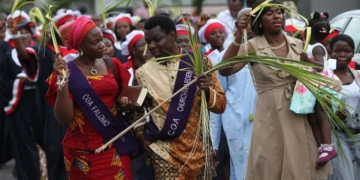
x=130, y=41
x=184, y=19
x=107, y=33
x=79, y=29
x=62, y=17
x=124, y=17
x=209, y=26
x=183, y=29
x=20, y=16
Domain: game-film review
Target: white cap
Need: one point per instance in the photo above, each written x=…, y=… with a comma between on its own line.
x=211, y=24
x=62, y=17
x=22, y=14
x=184, y=29
x=130, y=41
x=124, y=17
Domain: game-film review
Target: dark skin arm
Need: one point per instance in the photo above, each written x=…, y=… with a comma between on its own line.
x=64, y=106
x=234, y=50
x=318, y=54
x=19, y=46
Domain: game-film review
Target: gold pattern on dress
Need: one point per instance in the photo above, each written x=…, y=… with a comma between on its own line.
x=67, y=164
x=116, y=160
x=120, y=175
x=78, y=120
x=82, y=164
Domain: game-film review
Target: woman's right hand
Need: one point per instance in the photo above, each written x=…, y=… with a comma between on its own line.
x=12, y=25
x=244, y=22
x=59, y=64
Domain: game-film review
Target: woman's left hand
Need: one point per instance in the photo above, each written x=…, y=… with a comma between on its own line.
x=203, y=82
x=126, y=104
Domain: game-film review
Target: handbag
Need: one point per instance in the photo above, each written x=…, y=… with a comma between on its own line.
x=303, y=101
x=140, y=162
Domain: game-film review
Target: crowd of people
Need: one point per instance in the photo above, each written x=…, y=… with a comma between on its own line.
x=60, y=104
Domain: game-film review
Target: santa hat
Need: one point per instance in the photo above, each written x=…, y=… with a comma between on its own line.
x=124, y=17
x=20, y=15
x=63, y=17
x=130, y=41
x=335, y=31
x=291, y=24
x=183, y=29
x=184, y=19
x=209, y=26
x=77, y=14
x=107, y=33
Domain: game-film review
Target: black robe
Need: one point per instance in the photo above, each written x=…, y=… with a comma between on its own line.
x=22, y=116
x=53, y=132
x=5, y=142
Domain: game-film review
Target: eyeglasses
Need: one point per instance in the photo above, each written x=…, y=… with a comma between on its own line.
x=27, y=35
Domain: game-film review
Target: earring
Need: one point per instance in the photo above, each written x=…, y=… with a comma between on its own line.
x=260, y=26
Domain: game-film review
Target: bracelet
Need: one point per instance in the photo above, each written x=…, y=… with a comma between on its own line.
x=16, y=36
x=236, y=44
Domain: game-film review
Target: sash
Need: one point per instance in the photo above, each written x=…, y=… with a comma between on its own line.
x=180, y=106
x=98, y=113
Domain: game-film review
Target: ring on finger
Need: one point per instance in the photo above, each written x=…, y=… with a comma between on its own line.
x=201, y=84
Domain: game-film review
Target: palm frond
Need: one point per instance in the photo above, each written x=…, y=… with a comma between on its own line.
x=102, y=12
x=16, y=5
x=36, y=13
x=49, y=24
x=152, y=6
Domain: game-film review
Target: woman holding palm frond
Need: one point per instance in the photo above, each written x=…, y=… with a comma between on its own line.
x=86, y=105
x=282, y=145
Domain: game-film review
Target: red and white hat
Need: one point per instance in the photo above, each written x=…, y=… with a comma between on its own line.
x=107, y=33
x=109, y=22
x=184, y=19
x=130, y=41
x=20, y=15
x=209, y=26
x=183, y=29
x=291, y=24
x=124, y=17
x=62, y=17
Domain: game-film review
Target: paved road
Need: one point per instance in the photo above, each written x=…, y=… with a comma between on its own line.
x=6, y=171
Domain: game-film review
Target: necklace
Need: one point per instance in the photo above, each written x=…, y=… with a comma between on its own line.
x=93, y=71
x=278, y=47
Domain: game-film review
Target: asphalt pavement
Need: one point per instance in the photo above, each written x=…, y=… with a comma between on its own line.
x=6, y=171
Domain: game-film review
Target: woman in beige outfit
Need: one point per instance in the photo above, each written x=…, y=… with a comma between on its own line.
x=282, y=146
